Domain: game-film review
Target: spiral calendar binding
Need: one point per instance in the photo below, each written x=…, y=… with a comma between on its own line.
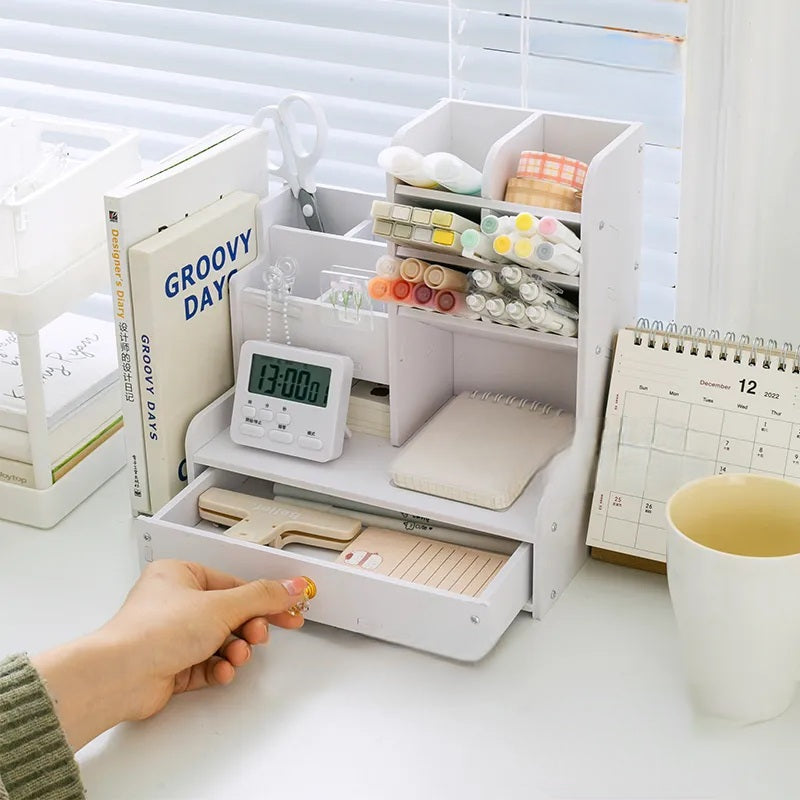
x=696, y=342
x=510, y=399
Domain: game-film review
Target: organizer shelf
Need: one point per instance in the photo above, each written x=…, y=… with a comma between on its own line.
x=426, y=358
x=53, y=257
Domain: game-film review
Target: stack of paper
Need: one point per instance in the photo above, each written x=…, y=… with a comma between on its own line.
x=369, y=409
x=81, y=390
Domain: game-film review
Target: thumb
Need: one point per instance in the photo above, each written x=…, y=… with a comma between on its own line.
x=259, y=598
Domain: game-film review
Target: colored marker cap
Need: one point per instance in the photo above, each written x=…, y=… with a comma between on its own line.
x=470, y=239
x=548, y=225
x=525, y=222
x=490, y=224
x=544, y=251
x=502, y=244
x=523, y=248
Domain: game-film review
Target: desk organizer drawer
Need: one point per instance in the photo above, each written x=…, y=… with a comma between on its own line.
x=442, y=622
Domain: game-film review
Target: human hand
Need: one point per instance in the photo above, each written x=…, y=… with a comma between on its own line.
x=182, y=627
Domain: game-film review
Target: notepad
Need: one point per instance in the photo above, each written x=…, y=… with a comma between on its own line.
x=482, y=448
x=463, y=570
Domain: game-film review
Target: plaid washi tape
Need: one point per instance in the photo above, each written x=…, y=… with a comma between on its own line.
x=535, y=165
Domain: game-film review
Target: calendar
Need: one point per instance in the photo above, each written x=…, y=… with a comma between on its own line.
x=683, y=406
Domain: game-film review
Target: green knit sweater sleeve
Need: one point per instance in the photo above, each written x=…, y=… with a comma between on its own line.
x=36, y=763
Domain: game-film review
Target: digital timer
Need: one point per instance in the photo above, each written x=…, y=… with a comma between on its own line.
x=291, y=400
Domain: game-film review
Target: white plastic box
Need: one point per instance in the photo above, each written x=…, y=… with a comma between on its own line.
x=56, y=225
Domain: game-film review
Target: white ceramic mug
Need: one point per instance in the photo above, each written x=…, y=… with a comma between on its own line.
x=733, y=564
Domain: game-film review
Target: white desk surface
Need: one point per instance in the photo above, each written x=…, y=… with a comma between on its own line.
x=587, y=705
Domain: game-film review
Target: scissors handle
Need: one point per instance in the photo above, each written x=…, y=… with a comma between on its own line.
x=298, y=161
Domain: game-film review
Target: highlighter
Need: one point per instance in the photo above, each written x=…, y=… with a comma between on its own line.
x=476, y=302
x=475, y=243
x=423, y=296
x=526, y=224
x=453, y=173
x=496, y=309
x=413, y=270
x=558, y=233
x=492, y=225
x=525, y=250
x=450, y=302
x=401, y=291
x=512, y=276
x=558, y=258
x=439, y=277
x=515, y=311
x=380, y=288
x=388, y=266
x=547, y=319
x=485, y=280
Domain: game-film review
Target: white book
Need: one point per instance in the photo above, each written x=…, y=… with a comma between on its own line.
x=179, y=284
x=79, y=359
x=21, y=474
x=232, y=158
x=63, y=437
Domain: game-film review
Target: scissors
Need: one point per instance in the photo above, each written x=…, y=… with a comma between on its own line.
x=298, y=162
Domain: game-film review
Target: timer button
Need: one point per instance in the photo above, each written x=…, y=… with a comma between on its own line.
x=283, y=419
x=248, y=429
x=248, y=412
x=310, y=442
x=265, y=415
x=281, y=436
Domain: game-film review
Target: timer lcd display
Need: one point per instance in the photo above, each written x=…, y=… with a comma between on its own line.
x=289, y=380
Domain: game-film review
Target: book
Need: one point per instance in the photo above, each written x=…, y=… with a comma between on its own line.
x=79, y=360
x=229, y=159
x=21, y=474
x=482, y=448
x=67, y=433
x=179, y=289
x=681, y=407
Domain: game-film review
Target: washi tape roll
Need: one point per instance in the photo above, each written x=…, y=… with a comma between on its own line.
x=544, y=194
x=539, y=166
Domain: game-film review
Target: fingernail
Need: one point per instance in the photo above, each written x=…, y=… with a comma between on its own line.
x=295, y=586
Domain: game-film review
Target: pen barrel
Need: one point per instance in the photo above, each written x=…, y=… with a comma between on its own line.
x=548, y=319
x=423, y=296
x=380, y=288
x=439, y=277
x=558, y=258
x=485, y=281
x=450, y=302
x=493, y=225
x=556, y=232
x=388, y=267
x=401, y=291
x=413, y=270
x=475, y=243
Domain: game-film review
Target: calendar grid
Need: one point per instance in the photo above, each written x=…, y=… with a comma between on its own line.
x=667, y=426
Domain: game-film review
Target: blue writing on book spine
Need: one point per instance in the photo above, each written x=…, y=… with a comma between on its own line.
x=186, y=280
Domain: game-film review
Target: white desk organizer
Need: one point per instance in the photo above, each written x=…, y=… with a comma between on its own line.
x=426, y=358
x=52, y=256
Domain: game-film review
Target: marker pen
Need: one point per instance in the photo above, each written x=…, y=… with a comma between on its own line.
x=534, y=293
x=475, y=243
x=450, y=302
x=401, y=213
x=439, y=277
x=496, y=310
x=525, y=250
x=484, y=279
x=476, y=302
x=423, y=296
x=558, y=233
x=381, y=209
x=413, y=269
x=515, y=311
x=558, y=258
x=451, y=221
x=494, y=226
x=447, y=239
x=380, y=288
x=388, y=266
x=453, y=173
x=512, y=277
x=406, y=165
x=526, y=224
x=421, y=216
x=547, y=319
x=401, y=291
x=504, y=246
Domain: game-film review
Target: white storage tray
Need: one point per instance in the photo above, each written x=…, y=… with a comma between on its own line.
x=441, y=622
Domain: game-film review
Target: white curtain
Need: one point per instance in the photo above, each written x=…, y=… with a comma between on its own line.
x=739, y=266
x=176, y=69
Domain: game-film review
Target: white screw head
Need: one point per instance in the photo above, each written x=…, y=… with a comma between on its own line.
x=554, y=527
x=553, y=594
x=475, y=620
x=308, y=210
x=601, y=225
x=598, y=350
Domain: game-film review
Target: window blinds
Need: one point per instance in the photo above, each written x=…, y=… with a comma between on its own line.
x=177, y=69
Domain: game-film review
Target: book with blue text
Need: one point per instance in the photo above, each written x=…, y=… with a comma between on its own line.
x=230, y=159
x=179, y=287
